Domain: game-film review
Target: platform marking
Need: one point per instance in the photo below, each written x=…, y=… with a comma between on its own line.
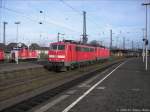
x=86, y=83
x=137, y=71
x=89, y=90
x=100, y=88
x=133, y=110
x=50, y=104
x=135, y=89
x=84, y=86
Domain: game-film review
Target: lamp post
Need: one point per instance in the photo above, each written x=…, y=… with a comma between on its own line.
x=41, y=23
x=17, y=34
x=4, y=32
x=17, y=31
x=110, y=39
x=146, y=40
x=132, y=46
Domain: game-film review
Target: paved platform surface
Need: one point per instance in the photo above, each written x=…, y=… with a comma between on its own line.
x=121, y=88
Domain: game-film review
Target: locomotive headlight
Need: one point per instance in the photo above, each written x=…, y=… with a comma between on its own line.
x=61, y=56
x=56, y=56
x=51, y=56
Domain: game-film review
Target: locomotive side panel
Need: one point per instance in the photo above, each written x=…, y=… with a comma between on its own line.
x=70, y=55
x=34, y=54
x=22, y=54
x=2, y=55
x=102, y=53
x=85, y=53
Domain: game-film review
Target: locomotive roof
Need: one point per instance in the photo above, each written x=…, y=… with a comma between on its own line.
x=75, y=42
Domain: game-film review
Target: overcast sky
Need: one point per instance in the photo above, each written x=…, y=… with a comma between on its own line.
x=125, y=17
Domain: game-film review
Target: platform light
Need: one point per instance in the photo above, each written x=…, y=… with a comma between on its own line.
x=146, y=41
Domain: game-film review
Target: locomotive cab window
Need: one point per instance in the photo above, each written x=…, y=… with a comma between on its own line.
x=78, y=48
x=57, y=47
x=61, y=47
x=53, y=47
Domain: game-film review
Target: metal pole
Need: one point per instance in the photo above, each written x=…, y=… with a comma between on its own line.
x=132, y=45
x=17, y=31
x=111, y=39
x=17, y=34
x=4, y=32
x=124, y=43
x=58, y=37
x=117, y=47
x=146, y=44
x=101, y=43
x=146, y=39
x=0, y=17
x=17, y=46
x=84, y=28
x=143, y=53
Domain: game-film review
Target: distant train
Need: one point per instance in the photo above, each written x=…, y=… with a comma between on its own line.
x=2, y=55
x=23, y=54
x=69, y=54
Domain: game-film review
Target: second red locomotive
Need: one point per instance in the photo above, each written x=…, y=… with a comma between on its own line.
x=68, y=54
x=2, y=55
x=24, y=54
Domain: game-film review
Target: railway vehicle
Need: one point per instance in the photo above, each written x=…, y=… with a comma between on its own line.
x=24, y=54
x=2, y=55
x=70, y=54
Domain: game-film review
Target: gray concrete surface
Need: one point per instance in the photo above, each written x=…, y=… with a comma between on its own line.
x=126, y=89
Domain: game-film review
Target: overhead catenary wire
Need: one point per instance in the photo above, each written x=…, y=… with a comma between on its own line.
x=79, y=12
x=20, y=13
x=49, y=18
x=68, y=5
x=34, y=20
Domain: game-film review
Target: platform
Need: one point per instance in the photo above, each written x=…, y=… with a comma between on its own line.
x=122, y=88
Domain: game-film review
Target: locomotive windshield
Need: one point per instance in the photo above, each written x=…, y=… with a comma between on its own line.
x=57, y=47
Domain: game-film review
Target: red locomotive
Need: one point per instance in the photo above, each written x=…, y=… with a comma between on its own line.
x=2, y=55
x=24, y=54
x=69, y=54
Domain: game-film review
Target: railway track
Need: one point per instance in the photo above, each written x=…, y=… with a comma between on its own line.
x=11, y=77
x=70, y=78
x=27, y=81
